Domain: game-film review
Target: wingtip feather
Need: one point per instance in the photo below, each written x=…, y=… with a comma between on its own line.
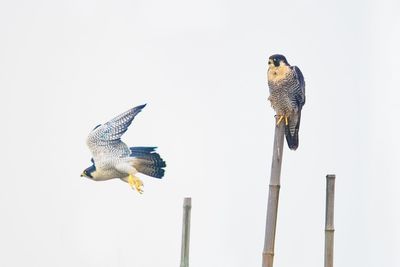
x=141, y=106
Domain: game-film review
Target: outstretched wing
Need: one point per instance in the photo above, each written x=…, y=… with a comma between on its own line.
x=105, y=140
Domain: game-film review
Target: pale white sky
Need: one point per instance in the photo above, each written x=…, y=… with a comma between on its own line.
x=66, y=66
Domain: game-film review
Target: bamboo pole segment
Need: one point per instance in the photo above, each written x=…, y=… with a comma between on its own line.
x=329, y=212
x=273, y=197
x=187, y=206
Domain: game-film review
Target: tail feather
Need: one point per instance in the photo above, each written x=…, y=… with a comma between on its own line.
x=148, y=161
x=142, y=149
x=292, y=131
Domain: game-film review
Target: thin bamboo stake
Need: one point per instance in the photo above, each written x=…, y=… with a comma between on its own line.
x=273, y=197
x=329, y=212
x=187, y=206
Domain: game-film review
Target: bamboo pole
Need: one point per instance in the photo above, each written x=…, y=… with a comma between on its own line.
x=329, y=212
x=187, y=206
x=273, y=197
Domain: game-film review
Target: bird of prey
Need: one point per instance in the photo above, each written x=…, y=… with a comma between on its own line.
x=112, y=158
x=287, y=96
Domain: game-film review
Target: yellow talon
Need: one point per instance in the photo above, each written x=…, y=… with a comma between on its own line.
x=135, y=183
x=280, y=119
x=286, y=120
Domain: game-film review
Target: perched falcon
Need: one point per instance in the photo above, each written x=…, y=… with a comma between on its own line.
x=112, y=158
x=287, y=96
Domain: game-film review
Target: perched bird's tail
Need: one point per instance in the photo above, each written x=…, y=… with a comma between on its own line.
x=292, y=131
x=148, y=161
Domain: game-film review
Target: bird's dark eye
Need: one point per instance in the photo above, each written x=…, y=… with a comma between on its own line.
x=85, y=172
x=275, y=59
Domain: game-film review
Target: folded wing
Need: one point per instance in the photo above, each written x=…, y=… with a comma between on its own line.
x=298, y=98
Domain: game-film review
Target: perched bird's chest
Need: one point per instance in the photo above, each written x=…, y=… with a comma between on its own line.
x=280, y=87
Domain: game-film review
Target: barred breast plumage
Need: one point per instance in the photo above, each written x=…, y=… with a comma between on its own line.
x=281, y=96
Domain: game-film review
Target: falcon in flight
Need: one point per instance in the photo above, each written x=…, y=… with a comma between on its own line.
x=287, y=96
x=112, y=158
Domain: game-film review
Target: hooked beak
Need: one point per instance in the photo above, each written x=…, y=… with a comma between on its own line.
x=83, y=174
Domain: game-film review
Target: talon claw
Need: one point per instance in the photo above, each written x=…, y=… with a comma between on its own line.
x=280, y=119
x=135, y=183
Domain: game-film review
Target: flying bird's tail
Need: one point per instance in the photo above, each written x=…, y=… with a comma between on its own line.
x=148, y=161
x=292, y=131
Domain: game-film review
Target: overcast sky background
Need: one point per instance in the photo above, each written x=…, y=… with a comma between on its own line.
x=66, y=66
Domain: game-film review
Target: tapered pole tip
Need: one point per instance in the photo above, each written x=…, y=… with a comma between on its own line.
x=187, y=201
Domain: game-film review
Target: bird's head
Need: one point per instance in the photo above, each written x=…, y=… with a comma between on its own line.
x=278, y=68
x=277, y=60
x=88, y=172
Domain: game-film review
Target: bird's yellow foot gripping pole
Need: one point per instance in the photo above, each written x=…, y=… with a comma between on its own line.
x=281, y=118
x=135, y=183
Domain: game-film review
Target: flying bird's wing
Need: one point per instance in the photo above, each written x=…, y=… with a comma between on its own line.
x=105, y=140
